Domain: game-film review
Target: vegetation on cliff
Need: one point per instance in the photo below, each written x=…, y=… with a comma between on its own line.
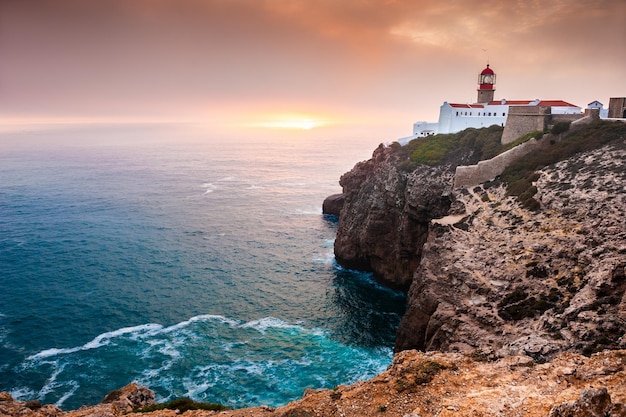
x=466, y=147
x=520, y=175
x=473, y=145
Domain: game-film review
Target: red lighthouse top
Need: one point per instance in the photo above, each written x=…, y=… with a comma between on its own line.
x=486, y=79
x=487, y=71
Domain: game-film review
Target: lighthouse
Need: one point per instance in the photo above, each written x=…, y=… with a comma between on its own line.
x=454, y=117
x=486, y=81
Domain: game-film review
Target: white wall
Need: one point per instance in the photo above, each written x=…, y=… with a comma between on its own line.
x=455, y=119
x=566, y=110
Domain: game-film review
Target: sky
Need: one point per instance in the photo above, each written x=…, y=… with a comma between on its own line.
x=300, y=63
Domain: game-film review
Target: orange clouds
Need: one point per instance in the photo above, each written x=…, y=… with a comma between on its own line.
x=166, y=58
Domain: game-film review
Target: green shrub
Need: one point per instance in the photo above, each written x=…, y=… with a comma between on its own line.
x=427, y=370
x=537, y=134
x=470, y=145
x=560, y=127
x=431, y=151
x=183, y=404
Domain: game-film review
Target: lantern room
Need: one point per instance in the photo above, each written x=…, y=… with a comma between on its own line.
x=486, y=81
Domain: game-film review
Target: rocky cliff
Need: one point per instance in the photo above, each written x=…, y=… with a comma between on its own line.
x=504, y=280
x=387, y=203
x=384, y=220
x=488, y=276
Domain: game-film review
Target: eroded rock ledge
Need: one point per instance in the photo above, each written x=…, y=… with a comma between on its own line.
x=505, y=280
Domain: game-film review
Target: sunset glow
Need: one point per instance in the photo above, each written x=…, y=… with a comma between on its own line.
x=215, y=60
x=292, y=122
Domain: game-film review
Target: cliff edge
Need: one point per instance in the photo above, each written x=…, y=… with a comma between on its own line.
x=488, y=275
x=425, y=385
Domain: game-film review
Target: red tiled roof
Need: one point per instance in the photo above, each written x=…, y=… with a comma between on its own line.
x=555, y=103
x=544, y=103
x=467, y=106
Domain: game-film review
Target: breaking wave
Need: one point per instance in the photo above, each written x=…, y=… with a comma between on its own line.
x=208, y=358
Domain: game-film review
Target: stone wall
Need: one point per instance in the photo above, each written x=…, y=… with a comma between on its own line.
x=524, y=119
x=471, y=175
x=565, y=118
x=617, y=107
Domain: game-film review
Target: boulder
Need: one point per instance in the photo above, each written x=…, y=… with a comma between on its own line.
x=333, y=204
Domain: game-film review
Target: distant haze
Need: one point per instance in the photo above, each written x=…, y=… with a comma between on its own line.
x=296, y=63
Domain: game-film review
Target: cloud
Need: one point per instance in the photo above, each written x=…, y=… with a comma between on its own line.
x=168, y=56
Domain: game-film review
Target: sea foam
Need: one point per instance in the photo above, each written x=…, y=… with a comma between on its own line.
x=99, y=341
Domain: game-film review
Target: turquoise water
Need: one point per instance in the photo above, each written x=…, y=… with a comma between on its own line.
x=195, y=263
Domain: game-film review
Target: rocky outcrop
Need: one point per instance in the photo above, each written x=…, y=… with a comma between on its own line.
x=436, y=384
x=116, y=403
x=129, y=398
x=592, y=403
x=504, y=280
x=333, y=204
x=384, y=220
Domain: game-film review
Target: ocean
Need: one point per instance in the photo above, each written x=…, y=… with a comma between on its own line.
x=198, y=264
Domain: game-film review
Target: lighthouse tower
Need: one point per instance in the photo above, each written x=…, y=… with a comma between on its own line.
x=486, y=81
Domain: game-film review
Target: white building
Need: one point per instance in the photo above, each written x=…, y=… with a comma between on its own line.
x=454, y=117
x=604, y=113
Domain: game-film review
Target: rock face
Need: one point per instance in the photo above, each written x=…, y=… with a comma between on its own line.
x=504, y=280
x=485, y=274
x=384, y=220
x=436, y=384
x=333, y=204
x=130, y=397
x=592, y=403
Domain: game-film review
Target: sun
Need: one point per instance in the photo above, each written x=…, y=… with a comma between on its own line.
x=291, y=124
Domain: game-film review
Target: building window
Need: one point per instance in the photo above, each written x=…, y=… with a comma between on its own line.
x=457, y=113
x=504, y=114
x=489, y=113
